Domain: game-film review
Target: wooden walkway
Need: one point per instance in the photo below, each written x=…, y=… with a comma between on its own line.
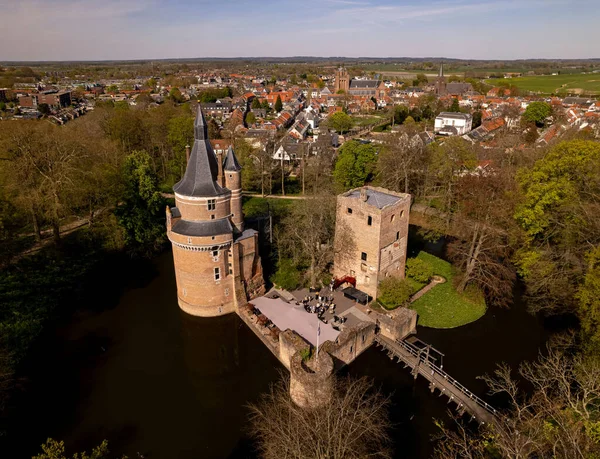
x=421, y=363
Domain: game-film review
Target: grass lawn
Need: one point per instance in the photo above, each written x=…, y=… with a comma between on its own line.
x=255, y=206
x=551, y=84
x=443, y=306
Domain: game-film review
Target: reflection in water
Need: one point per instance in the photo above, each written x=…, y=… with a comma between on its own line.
x=150, y=378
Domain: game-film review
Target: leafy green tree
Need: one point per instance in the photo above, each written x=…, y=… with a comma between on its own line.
x=455, y=107
x=419, y=270
x=180, y=134
x=558, y=214
x=355, y=164
x=341, y=122
x=477, y=118
x=140, y=212
x=250, y=119
x=400, y=113
x=176, y=96
x=2, y=106
x=255, y=103
x=588, y=296
x=53, y=449
x=278, y=104
x=112, y=89
x=394, y=292
x=287, y=275
x=537, y=112
x=266, y=105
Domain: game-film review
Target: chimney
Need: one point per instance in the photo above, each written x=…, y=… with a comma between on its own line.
x=363, y=195
x=187, y=154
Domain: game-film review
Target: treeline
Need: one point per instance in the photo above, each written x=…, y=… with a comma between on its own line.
x=104, y=171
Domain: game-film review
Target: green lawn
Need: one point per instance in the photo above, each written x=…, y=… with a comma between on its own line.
x=443, y=306
x=552, y=84
x=254, y=206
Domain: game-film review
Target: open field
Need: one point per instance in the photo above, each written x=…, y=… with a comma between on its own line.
x=552, y=84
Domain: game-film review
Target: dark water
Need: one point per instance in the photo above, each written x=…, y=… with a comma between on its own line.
x=151, y=379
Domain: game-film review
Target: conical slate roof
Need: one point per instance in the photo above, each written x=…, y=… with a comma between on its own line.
x=231, y=162
x=202, y=169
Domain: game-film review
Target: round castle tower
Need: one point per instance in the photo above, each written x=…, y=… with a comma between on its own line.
x=204, y=229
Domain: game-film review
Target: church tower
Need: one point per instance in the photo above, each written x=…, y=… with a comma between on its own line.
x=216, y=262
x=342, y=80
x=440, y=83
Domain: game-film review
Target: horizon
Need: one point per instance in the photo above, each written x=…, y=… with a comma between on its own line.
x=142, y=30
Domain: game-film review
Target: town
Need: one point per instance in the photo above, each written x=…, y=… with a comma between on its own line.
x=300, y=257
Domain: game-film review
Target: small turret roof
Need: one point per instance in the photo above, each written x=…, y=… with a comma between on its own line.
x=231, y=162
x=200, y=178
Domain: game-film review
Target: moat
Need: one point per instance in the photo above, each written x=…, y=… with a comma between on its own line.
x=151, y=379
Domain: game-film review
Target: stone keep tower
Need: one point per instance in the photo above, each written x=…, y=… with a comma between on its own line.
x=371, y=236
x=342, y=80
x=217, y=264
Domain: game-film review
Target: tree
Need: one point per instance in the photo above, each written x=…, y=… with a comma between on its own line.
x=341, y=122
x=112, y=89
x=53, y=449
x=140, y=212
x=287, y=275
x=355, y=165
x=557, y=417
x=278, y=104
x=44, y=109
x=537, y=112
x=353, y=425
x=419, y=270
x=559, y=214
x=400, y=113
x=394, y=292
x=250, y=119
x=421, y=79
x=266, y=105
x=176, y=96
x=455, y=107
x=477, y=117
x=255, y=104
x=402, y=163
x=307, y=235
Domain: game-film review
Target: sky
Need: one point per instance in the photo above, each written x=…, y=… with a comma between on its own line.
x=159, y=29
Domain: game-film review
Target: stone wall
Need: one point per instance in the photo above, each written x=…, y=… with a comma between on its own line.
x=399, y=324
x=350, y=343
x=311, y=384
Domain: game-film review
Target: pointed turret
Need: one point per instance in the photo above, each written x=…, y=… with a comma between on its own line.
x=231, y=162
x=200, y=178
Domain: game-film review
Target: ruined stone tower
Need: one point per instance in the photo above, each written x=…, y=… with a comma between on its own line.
x=217, y=265
x=371, y=236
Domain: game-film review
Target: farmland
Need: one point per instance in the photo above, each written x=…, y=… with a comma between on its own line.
x=555, y=84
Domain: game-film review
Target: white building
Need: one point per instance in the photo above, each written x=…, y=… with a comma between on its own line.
x=452, y=123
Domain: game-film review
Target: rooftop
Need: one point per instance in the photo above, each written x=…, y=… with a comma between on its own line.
x=204, y=228
x=378, y=198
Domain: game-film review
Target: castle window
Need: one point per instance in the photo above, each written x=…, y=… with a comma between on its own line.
x=217, y=274
x=215, y=254
x=367, y=279
x=349, y=210
x=369, y=220
x=212, y=204
x=397, y=235
x=392, y=218
x=401, y=213
x=212, y=217
x=230, y=175
x=363, y=256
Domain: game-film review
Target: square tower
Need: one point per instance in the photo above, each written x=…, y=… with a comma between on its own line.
x=371, y=236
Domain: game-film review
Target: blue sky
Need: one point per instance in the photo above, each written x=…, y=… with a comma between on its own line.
x=153, y=29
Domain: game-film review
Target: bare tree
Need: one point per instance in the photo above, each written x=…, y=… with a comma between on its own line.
x=558, y=418
x=353, y=425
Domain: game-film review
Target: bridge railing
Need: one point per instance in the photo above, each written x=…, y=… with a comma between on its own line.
x=418, y=354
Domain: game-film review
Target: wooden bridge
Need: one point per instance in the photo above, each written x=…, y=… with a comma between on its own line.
x=419, y=358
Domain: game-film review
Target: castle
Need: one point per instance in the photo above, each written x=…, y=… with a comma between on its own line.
x=371, y=236
x=217, y=264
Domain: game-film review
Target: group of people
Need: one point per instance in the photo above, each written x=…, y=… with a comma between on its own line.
x=322, y=305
